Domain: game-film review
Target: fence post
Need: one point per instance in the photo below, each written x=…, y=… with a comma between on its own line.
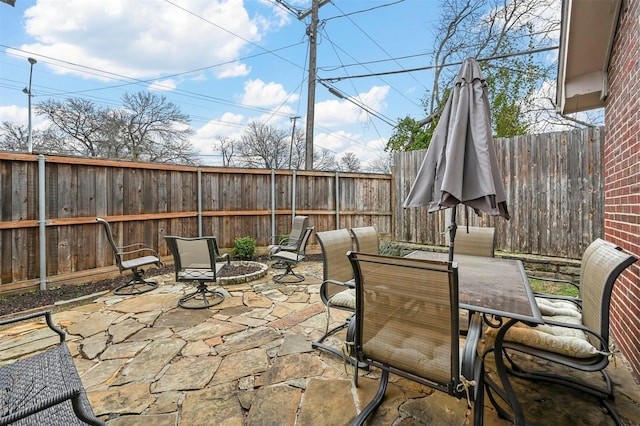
x=273, y=207
x=42, y=222
x=294, y=176
x=199, y=171
x=337, y=201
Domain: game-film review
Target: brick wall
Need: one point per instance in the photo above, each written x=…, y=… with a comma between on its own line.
x=622, y=177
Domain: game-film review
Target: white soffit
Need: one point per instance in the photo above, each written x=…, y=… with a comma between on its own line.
x=586, y=39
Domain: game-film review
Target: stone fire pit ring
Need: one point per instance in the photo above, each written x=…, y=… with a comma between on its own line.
x=240, y=279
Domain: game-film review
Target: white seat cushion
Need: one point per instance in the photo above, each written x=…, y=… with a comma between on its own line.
x=553, y=307
x=561, y=340
x=345, y=298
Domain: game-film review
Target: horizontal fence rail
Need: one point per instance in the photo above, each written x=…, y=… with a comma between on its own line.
x=553, y=183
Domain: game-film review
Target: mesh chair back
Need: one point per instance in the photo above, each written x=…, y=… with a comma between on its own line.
x=194, y=258
x=603, y=266
x=112, y=243
x=407, y=316
x=366, y=239
x=335, y=266
x=300, y=223
x=302, y=246
x=479, y=241
x=591, y=248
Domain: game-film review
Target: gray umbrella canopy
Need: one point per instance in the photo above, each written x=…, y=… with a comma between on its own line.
x=460, y=166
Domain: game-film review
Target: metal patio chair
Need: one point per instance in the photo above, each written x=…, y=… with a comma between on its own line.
x=475, y=241
x=132, y=257
x=196, y=260
x=289, y=242
x=338, y=288
x=366, y=239
x=406, y=323
x=591, y=248
x=574, y=338
x=291, y=260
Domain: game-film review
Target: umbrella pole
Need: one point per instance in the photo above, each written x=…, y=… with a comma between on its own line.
x=452, y=232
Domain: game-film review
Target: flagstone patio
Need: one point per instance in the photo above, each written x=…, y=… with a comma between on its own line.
x=249, y=361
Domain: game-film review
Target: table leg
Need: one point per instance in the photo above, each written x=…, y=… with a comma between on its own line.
x=508, y=394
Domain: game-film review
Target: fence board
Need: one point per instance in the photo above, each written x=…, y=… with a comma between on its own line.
x=554, y=188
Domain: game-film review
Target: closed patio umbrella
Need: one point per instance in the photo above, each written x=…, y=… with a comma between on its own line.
x=460, y=166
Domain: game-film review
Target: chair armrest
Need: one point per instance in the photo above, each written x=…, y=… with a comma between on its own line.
x=225, y=257
x=348, y=284
x=136, y=249
x=284, y=240
x=470, y=349
x=47, y=317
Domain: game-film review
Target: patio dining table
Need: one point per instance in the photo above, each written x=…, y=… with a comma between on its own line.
x=498, y=287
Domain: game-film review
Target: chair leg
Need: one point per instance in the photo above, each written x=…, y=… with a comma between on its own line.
x=206, y=297
x=137, y=285
x=278, y=265
x=377, y=400
x=605, y=392
x=336, y=351
x=282, y=278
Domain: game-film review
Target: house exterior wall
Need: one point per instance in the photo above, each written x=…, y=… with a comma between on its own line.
x=622, y=177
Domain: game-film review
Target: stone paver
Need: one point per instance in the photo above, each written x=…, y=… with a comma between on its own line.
x=188, y=373
x=249, y=361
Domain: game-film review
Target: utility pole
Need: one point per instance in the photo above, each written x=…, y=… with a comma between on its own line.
x=312, y=32
x=293, y=132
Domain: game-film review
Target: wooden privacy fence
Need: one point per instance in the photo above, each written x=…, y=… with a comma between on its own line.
x=555, y=194
x=144, y=202
x=554, y=187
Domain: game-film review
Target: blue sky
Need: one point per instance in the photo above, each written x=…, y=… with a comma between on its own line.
x=228, y=62
x=224, y=62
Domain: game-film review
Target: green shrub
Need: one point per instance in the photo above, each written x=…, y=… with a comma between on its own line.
x=244, y=248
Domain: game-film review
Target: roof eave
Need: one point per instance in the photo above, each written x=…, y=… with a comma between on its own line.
x=587, y=26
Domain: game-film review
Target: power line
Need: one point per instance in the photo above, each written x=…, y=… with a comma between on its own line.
x=489, y=58
x=129, y=81
x=341, y=95
x=346, y=15
x=375, y=42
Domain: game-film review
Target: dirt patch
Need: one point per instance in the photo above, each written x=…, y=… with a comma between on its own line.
x=37, y=298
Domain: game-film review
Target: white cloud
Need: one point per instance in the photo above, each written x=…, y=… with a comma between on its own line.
x=14, y=114
x=259, y=93
x=167, y=85
x=20, y=116
x=340, y=142
x=337, y=113
x=158, y=39
x=226, y=126
x=205, y=141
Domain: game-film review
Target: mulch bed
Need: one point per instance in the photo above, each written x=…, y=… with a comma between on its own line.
x=36, y=298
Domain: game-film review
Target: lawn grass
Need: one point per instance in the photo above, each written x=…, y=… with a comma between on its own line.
x=553, y=287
